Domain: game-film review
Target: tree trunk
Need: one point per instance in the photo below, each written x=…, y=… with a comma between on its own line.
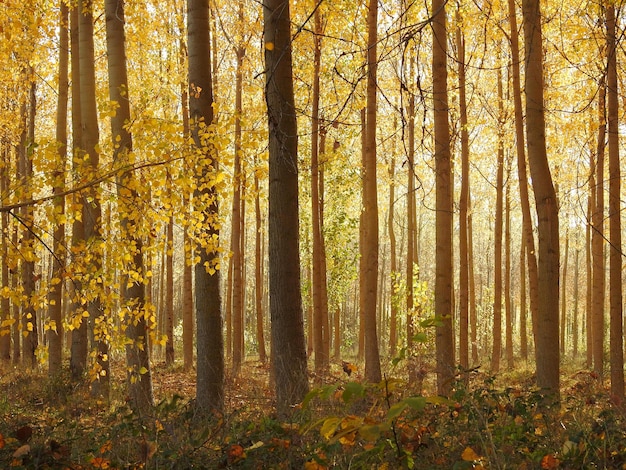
x=79, y=346
x=523, y=321
x=288, y=346
x=496, y=334
x=168, y=307
x=547, y=325
x=369, y=249
x=527, y=224
x=508, y=308
x=615, y=235
x=236, y=220
x=444, y=341
x=597, y=242
x=258, y=271
x=210, y=343
x=133, y=292
x=30, y=339
x=5, y=305
x=563, y=317
x=55, y=295
x=92, y=211
x=464, y=205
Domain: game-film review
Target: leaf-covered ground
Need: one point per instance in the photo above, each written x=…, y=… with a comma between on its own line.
x=496, y=423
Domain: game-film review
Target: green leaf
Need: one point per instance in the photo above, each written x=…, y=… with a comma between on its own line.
x=417, y=403
x=352, y=389
x=396, y=410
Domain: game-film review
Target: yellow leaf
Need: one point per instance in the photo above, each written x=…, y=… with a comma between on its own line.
x=269, y=46
x=469, y=455
x=143, y=371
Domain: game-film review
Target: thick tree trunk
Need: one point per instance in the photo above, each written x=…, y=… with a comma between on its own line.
x=369, y=249
x=210, y=343
x=444, y=340
x=133, y=298
x=288, y=346
x=547, y=325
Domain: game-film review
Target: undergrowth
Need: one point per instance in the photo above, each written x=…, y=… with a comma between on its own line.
x=488, y=422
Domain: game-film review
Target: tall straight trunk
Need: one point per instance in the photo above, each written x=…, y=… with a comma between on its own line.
x=464, y=204
x=508, y=307
x=411, y=256
x=369, y=249
x=520, y=150
x=523, y=317
x=92, y=211
x=393, y=268
x=16, y=312
x=55, y=295
x=575, y=314
x=210, y=343
x=362, y=264
x=30, y=339
x=288, y=346
x=79, y=345
x=133, y=292
x=323, y=265
x=187, y=294
x=616, y=335
x=473, y=313
x=168, y=307
x=236, y=236
x=563, y=317
x=5, y=305
x=589, y=261
x=597, y=242
x=258, y=271
x=496, y=334
x=547, y=325
x=444, y=340
x=320, y=324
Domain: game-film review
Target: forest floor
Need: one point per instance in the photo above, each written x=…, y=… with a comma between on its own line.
x=491, y=422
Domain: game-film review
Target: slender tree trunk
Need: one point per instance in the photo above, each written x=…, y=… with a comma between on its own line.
x=563, y=318
x=575, y=315
x=258, y=271
x=523, y=317
x=288, y=345
x=92, y=210
x=236, y=234
x=597, y=242
x=496, y=334
x=210, y=343
x=30, y=339
x=508, y=308
x=168, y=307
x=464, y=204
x=590, y=261
x=527, y=224
x=5, y=305
x=547, y=325
x=369, y=249
x=444, y=340
x=79, y=346
x=473, y=314
x=615, y=234
x=55, y=295
x=393, y=268
x=362, y=264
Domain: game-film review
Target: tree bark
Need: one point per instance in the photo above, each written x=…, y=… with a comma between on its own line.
x=547, y=325
x=55, y=295
x=444, y=340
x=288, y=345
x=616, y=335
x=210, y=343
